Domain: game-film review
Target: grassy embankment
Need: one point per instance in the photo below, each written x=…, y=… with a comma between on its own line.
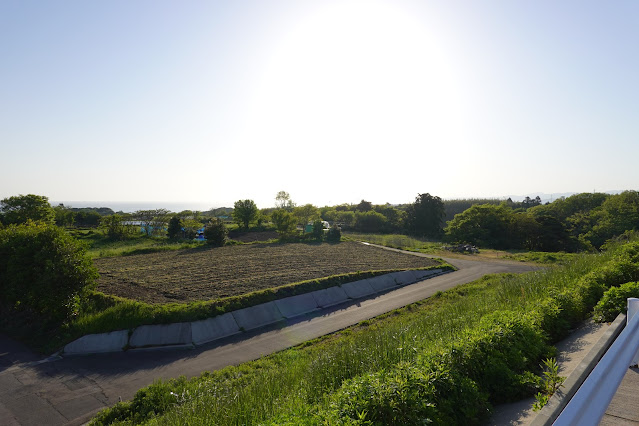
x=408, y=243
x=98, y=245
x=104, y=313
x=446, y=359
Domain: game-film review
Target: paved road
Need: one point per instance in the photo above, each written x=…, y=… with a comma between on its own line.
x=71, y=390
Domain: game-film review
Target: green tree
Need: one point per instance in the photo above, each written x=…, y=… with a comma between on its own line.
x=364, y=206
x=115, y=227
x=153, y=221
x=425, y=216
x=245, y=212
x=174, y=230
x=306, y=214
x=43, y=273
x=485, y=225
x=215, y=233
x=370, y=221
x=334, y=234
x=283, y=201
x=394, y=217
x=284, y=222
x=318, y=230
x=345, y=218
x=21, y=208
x=63, y=215
x=617, y=214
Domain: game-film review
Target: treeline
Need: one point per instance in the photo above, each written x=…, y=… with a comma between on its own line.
x=580, y=222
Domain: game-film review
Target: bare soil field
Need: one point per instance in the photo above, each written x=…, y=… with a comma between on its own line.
x=207, y=274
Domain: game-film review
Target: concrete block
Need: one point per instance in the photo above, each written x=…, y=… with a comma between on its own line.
x=257, y=316
x=97, y=343
x=422, y=275
x=404, y=277
x=330, y=296
x=297, y=305
x=213, y=328
x=358, y=289
x=382, y=282
x=178, y=333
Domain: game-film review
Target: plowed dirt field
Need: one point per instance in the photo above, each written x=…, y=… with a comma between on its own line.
x=190, y=275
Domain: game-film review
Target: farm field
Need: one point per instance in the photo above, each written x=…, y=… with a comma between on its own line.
x=207, y=274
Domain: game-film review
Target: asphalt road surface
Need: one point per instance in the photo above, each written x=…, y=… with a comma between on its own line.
x=71, y=390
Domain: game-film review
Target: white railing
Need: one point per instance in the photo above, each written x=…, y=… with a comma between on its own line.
x=590, y=402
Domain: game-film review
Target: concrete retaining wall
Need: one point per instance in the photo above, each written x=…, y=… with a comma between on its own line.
x=200, y=332
x=98, y=343
x=404, y=277
x=358, y=289
x=257, y=316
x=161, y=335
x=382, y=282
x=330, y=296
x=420, y=275
x=214, y=328
x=297, y=305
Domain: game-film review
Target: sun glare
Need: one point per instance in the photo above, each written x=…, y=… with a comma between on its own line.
x=355, y=73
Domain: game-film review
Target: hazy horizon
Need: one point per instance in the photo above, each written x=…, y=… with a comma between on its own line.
x=333, y=101
x=178, y=206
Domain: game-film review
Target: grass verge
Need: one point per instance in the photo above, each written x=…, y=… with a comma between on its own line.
x=445, y=360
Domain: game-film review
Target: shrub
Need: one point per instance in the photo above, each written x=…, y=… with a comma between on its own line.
x=614, y=301
x=318, y=230
x=498, y=352
x=215, y=233
x=408, y=394
x=43, y=273
x=175, y=227
x=334, y=234
x=285, y=223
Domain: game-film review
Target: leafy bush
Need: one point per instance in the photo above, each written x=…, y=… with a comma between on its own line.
x=318, y=230
x=43, y=273
x=498, y=352
x=215, y=233
x=174, y=229
x=334, y=234
x=614, y=301
x=410, y=394
x=285, y=223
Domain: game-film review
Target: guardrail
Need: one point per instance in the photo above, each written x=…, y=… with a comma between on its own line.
x=590, y=402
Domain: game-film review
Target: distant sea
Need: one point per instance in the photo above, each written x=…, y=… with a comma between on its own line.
x=131, y=206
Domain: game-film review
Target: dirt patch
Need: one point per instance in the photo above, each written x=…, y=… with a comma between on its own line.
x=250, y=237
x=206, y=274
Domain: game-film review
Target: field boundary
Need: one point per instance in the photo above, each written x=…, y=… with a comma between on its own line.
x=190, y=334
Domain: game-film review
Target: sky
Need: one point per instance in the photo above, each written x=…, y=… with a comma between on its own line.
x=209, y=102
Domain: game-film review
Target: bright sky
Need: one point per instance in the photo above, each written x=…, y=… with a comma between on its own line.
x=332, y=101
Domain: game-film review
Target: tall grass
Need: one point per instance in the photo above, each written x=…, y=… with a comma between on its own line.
x=293, y=386
x=398, y=241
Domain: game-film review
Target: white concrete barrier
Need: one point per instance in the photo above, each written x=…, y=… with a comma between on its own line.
x=297, y=305
x=161, y=335
x=257, y=316
x=114, y=341
x=358, y=289
x=330, y=296
x=590, y=402
x=214, y=328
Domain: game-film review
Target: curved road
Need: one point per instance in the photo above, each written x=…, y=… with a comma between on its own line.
x=71, y=390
